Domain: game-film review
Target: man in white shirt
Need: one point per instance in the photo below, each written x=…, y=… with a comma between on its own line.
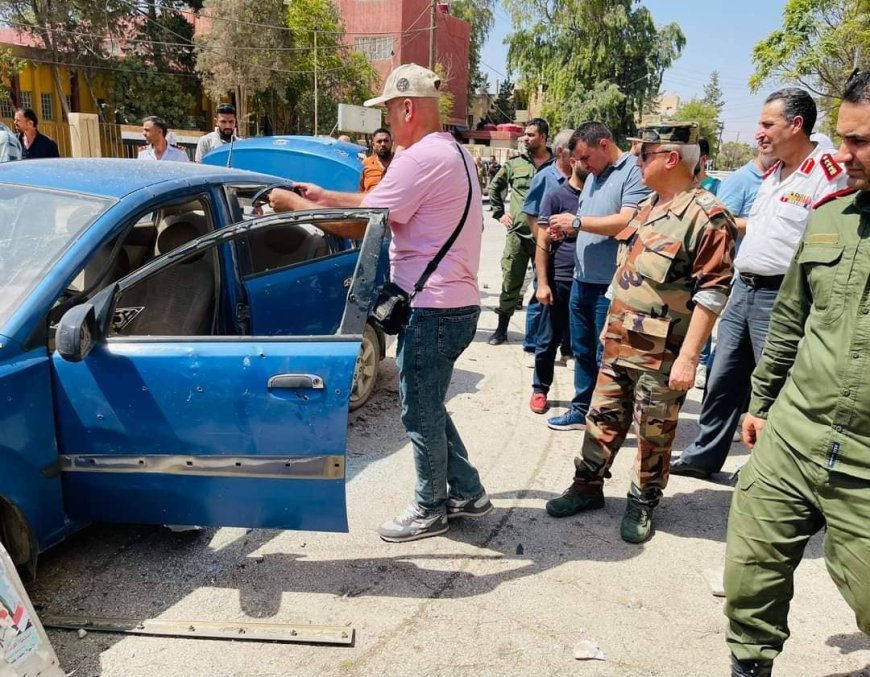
x=803, y=174
x=224, y=131
x=155, y=131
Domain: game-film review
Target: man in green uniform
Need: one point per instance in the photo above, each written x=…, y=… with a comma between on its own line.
x=673, y=276
x=809, y=419
x=519, y=247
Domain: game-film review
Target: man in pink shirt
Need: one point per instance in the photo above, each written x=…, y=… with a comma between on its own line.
x=426, y=191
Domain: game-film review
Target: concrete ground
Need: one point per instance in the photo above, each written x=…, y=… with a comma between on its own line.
x=510, y=594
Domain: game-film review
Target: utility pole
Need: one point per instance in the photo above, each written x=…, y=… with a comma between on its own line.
x=315, y=83
x=432, y=35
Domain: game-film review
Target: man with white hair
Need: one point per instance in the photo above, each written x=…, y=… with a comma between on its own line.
x=673, y=277
x=427, y=193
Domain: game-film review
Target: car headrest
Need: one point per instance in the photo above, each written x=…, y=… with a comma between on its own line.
x=176, y=234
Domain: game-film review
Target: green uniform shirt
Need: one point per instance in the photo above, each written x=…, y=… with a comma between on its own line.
x=517, y=175
x=812, y=380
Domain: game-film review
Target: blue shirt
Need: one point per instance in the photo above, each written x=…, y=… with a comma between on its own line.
x=562, y=200
x=738, y=190
x=618, y=186
x=546, y=180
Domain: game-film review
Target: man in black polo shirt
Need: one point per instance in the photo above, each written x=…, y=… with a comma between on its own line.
x=33, y=144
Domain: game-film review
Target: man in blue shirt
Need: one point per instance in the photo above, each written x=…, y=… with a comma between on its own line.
x=544, y=182
x=609, y=201
x=554, y=262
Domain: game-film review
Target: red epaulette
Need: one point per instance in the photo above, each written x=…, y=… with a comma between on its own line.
x=834, y=196
x=830, y=167
x=772, y=169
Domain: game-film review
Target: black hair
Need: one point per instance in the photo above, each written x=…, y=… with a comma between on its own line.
x=382, y=130
x=796, y=102
x=705, y=146
x=225, y=109
x=857, y=88
x=30, y=114
x=157, y=122
x=589, y=133
x=541, y=124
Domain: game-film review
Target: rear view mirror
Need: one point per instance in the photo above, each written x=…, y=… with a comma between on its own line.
x=76, y=333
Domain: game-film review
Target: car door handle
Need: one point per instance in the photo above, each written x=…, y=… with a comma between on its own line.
x=295, y=382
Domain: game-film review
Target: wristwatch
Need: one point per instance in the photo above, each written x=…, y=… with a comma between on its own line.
x=575, y=224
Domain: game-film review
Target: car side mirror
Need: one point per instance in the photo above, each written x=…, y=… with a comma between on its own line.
x=77, y=333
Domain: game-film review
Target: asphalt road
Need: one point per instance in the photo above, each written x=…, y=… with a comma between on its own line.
x=511, y=594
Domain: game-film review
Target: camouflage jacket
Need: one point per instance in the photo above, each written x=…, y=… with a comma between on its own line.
x=664, y=260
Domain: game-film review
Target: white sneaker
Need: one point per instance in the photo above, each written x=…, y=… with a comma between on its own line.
x=412, y=525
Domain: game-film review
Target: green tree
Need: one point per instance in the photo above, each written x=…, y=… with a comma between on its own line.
x=707, y=117
x=343, y=75
x=504, y=107
x=713, y=92
x=479, y=13
x=10, y=66
x=605, y=56
x=818, y=45
x=734, y=154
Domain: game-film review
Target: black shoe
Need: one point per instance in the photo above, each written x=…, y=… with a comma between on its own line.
x=751, y=668
x=500, y=334
x=683, y=469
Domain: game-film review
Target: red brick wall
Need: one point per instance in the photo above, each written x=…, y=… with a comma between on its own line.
x=408, y=21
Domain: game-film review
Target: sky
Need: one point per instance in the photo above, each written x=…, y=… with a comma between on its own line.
x=720, y=35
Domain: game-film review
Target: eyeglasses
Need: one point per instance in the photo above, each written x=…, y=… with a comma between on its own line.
x=644, y=154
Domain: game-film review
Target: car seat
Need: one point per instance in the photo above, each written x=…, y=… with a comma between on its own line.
x=177, y=301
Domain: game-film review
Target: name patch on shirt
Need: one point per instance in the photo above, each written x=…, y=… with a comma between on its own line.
x=798, y=199
x=823, y=238
x=835, y=451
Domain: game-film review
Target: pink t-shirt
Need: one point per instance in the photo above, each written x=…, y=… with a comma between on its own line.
x=425, y=191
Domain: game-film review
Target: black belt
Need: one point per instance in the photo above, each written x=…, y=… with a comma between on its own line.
x=762, y=281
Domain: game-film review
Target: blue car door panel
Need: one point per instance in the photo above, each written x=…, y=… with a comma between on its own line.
x=216, y=430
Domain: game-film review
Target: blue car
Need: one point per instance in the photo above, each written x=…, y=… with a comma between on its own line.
x=167, y=356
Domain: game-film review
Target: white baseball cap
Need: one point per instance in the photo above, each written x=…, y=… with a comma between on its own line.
x=408, y=80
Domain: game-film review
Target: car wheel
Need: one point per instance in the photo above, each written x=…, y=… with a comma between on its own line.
x=365, y=373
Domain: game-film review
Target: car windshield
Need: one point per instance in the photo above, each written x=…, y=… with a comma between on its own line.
x=36, y=227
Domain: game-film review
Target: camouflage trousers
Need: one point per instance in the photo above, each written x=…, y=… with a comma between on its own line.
x=623, y=395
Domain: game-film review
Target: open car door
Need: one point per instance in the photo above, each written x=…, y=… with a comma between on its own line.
x=170, y=426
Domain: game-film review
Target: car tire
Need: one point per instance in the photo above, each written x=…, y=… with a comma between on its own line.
x=365, y=373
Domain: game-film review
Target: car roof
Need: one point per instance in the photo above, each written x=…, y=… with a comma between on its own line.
x=115, y=178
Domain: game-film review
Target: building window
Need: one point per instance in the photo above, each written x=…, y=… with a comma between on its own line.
x=6, y=109
x=375, y=48
x=27, y=99
x=47, y=106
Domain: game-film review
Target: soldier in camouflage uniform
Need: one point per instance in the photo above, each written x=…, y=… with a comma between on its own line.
x=673, y=276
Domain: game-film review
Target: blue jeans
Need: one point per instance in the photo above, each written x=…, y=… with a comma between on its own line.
x=554, y=329
x=533, y=318
x=427, y=349
x=742, y=331
x=589, y=307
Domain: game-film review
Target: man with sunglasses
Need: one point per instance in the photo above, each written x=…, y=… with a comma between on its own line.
x=802, y=175
x=809, y=419
x=673, y=276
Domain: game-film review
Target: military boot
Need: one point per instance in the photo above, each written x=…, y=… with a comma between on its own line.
x=499, y=336
x=578, y=497
x=636, y=524
x=751, y=668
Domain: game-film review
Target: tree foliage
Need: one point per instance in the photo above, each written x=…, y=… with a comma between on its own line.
x=601, y=57
x=818, y=45
x=10, y=65
x=707, y=117
x=734, y=154
x=713, y=92
x=504, y=107
x=479, y=13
